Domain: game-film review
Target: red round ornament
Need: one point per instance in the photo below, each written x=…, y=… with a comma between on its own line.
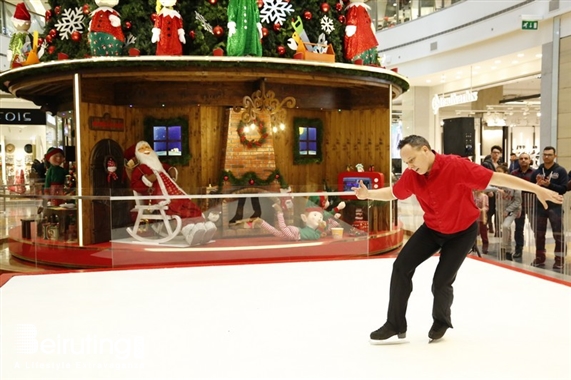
x=49, y=38
x=260, y=3
x=76, y=36
x=218, y=31
x=307, y=15
x=48, y=15
x=57, y=10
x=281, y=50
x=40, y=41
x=325, y=8
x=85, y=9
x=213, y=2
x=277, y=27
x=251, y=182
x=338, y=7
x=192, y=34
x=265, y=32
x=53, y=33
x=128, y=25
x=51, y=49
x=341, y=19
x=277, y=176
x=226, y=178
x=154, y=17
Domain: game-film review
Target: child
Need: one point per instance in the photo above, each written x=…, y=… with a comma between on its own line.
x=481, y=199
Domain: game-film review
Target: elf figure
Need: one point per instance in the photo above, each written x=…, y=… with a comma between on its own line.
x=244, y=28
x=168, y=33
x=55, y=176
x=314, y=229
x=360, y=40
x=20, y=42
x=105, y=34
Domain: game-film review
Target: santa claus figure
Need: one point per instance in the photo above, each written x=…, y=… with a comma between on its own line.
x=149, y=176
x=168, y=33
x=105, y=34
x=360, y=40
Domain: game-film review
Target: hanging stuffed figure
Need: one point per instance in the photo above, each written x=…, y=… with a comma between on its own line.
x=360, y=40
x=20, y=42
x=244, y=29
x=168, y=33
x=105, y=34
x=111, y=168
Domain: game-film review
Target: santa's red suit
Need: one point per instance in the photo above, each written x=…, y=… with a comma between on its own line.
x=364, y=39
x=167, y=25
x=164, y=184
x=101, y=22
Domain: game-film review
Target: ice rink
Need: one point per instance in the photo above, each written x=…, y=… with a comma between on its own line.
x=308, y=320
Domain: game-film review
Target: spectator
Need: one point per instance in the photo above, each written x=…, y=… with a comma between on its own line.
x=481, y=199
x=510, y=201
x=524, y=172
x=492, y=164
x=514, y=162
x=554, y=177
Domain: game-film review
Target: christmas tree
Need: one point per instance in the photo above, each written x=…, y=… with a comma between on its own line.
x=205, y=23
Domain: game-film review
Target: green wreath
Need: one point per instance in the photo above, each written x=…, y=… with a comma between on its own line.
x=262, y=130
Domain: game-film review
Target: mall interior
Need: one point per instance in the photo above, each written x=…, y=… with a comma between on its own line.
x=102, y=284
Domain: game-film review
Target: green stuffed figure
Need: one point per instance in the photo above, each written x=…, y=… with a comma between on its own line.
x=244, y=29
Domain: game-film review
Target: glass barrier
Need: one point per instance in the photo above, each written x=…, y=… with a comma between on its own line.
x=389, y=13
x=242, y=225
x=536, y=237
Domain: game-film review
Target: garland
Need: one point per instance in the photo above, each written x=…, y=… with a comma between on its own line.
x=262, y=130
x=251, y=179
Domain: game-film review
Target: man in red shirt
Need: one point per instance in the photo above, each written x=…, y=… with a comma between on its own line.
x=443, y=185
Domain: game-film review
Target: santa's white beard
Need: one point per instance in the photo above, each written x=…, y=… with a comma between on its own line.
x=151, y=160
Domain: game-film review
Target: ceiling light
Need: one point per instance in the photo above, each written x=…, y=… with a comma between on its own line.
x=497, y=62
x=520, y=55
x=515, y=62
x=428, y=81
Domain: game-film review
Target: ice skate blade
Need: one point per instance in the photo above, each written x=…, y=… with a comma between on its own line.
x=434, y=340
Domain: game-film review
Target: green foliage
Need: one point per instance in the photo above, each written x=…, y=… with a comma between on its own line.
x=200, y=41
x=251, y=179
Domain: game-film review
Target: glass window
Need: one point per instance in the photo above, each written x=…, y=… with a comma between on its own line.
x=167, y=140
x=308, y=135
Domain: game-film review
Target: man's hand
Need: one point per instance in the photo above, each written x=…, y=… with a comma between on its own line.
x=361, y=192
x=544, y=195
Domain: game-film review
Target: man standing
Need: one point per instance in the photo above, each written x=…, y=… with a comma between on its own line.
x=514, y=162
x=443, y=185
x=554, y=177
x=524, y=172
x=492, y=164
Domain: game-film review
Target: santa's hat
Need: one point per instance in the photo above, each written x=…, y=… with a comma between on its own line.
x=51, y=152
x=22, y=13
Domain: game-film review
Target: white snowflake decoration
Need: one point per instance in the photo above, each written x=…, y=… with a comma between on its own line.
x=327, y=25
x=203, y=22
x=71, y=21
x=131, y=39
x=321, y=46
x=275, y=11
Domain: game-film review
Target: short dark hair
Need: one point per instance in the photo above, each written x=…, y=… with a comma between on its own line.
x=497, y=147
x=550, y=148
x=414, y=141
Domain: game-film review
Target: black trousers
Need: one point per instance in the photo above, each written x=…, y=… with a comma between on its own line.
x=423, y=244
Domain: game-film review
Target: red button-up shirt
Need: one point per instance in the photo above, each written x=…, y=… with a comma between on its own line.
x=445, y=194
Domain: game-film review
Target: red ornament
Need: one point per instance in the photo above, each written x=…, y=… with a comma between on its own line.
x=57, y=10
x=265, y=32
x=192, y=34
x=325, y=8
x=53, y=33
x=51, y=49
x=281, y=50
x=338, y=7
x=48, y=15
x=76, y=36
x=154, y=17
x=277, y=176
x=218, y=31
x=341, y=19
x=260, y=3
x=225, y=178
x=307, y=15
x=277, y=27
x=40, y=41
x=128, y=25
x=85, y=9
x=251, y=182
x=50, y=39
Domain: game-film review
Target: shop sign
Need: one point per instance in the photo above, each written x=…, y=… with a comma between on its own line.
x=22, y=116
x=452, y=100
x=106, y=123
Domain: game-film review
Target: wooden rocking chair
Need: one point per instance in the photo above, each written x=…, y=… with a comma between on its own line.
x=154, y=212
